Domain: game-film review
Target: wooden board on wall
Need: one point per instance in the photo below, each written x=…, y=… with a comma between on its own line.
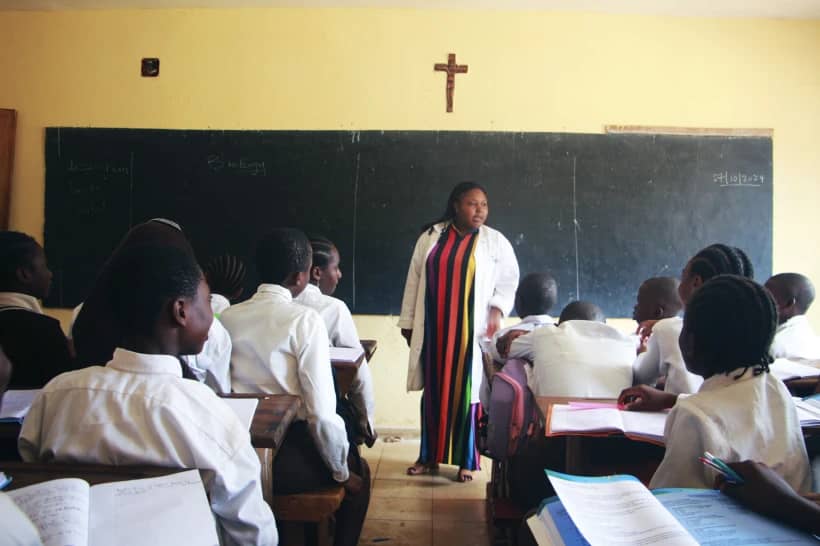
x=603, y=212
x=8, y=127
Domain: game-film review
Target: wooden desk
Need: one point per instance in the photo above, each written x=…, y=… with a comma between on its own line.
x=370, y=346
x=616, y=454
x=24, y=474
x=270, y=424
x=345, y=373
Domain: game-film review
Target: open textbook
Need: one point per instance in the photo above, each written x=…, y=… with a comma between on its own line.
x=600, y=420
x=621, y=511
x=169, y=510
x=16, y=404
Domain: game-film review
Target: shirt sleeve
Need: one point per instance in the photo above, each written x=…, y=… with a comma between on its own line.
x=684, y=436
x=522, y=347
x=318, y=394
x=646, y=368
x=507, y=278
x=344, y=333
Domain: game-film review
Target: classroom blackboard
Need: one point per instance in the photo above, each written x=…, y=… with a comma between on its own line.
x=601, y=212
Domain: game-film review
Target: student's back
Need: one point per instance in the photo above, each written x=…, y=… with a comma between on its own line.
x=138, y=409
x=33, y=341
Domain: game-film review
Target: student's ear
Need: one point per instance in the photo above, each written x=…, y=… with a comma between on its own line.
x=24, y=275
x=659, y=312
x=315, y=274
x=697, y=281
x=179, y=312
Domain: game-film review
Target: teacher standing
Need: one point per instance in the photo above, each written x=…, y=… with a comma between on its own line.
x=461, y=281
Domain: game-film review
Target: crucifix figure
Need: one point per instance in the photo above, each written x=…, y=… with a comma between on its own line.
x=452, y=69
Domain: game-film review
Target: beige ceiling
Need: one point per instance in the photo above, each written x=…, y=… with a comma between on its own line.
x=706, y=8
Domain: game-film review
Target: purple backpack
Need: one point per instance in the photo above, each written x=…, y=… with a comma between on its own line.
x=513, y=414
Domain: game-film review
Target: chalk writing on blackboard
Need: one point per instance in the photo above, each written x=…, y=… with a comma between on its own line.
x=105, y=169
x=726, y=179
x=242, y=166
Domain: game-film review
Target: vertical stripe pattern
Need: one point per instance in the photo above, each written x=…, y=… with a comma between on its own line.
x=447, y=416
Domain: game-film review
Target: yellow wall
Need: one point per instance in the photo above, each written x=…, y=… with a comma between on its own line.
x=371, y=69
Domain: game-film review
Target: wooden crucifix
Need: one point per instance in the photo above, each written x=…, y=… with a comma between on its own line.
x=452, y=69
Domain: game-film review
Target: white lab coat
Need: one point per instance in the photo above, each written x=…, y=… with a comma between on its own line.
x=581, y=358
x=663, y=358
x=496, y=279
x=752, y=417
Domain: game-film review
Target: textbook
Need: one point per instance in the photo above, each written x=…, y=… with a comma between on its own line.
x=165, y=511
x=578, y=419
x=346, y=354
x=785, y=370
x=16, y=404
x=621, y=511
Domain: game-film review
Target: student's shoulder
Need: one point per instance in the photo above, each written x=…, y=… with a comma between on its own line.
x=668, y=326
x=11, y=317
x=83, y=378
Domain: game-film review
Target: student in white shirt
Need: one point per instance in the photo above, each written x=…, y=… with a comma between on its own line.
x=137, y=409
x=281, y=347
x=793, y=293
x=318, y=295
x=226, y=278
x=663, y=356
x=741, y=411
x=582, y=357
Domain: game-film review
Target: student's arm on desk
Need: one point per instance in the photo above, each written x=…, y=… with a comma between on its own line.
x=319, y=396
x=646, y=398
x=765, y=492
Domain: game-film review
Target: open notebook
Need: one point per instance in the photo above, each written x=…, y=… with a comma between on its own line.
x=785, y=370
x=620, y=510
x=169, y=510
x=600, y=420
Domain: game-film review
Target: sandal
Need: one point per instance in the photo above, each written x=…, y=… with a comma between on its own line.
x=464, y=475
x=421, y=468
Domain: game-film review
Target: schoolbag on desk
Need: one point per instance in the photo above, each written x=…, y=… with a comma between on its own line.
x=513, y=415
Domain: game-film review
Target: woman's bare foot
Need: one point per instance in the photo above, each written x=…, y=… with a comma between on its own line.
x=464, y=475
x=420, y=468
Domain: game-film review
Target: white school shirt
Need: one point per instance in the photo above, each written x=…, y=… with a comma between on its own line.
x=23, y=301
x=281, y=347
x=212, y=365
x=796, y=339
x=138, y=410
x=17, y=529
x=342, y=332
x=521, y=347
x=752, y=417
x=581, y=358
x=496, y=278
x=219, y=303
x=663, y=358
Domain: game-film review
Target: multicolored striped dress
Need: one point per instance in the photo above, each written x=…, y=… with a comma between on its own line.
x=448, y=419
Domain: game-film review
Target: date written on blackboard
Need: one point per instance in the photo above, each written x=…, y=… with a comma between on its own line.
x=242, y=166
x=107, y=169
x=726, y=179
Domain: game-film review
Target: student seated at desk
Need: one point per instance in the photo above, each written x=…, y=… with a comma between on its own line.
x=535, y=296
x=138, y=409
x=324, y=277
x=793, y=293
x=582, y=357
x=96, y=333
x=226, y=278
x=741, y=410
x=281, y=347
x=663, y=357
x=33, y=341
x=659, y=300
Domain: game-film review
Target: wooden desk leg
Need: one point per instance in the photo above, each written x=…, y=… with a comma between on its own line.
x=266, y=462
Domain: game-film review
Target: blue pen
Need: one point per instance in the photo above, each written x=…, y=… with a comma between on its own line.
x=730, y=474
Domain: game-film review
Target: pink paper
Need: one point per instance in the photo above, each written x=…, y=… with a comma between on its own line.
x=594, y=405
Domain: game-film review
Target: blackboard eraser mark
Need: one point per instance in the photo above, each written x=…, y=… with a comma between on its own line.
x=149, y=67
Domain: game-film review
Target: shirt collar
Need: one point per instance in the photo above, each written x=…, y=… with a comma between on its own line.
x=538, y=319
x=129, y=361
x=277, y=291
x=796, y=320
x=312, y=289
x=720, y=380
x=16, y=299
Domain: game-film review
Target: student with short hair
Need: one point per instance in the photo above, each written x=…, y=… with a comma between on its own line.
x=741, y=411
x=226, y=278
x=582, y=357
x=318, y=295
x=281, y=347
x=138, y=409
x=662, y=357
x=534, y=298
x=793, y=293
x=33, y=341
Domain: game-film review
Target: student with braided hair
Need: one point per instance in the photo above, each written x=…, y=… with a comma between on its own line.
x=661, y=356
x=226, y=278
x=741, y=411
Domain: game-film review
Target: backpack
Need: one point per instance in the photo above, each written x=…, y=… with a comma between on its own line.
x=513, y=413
